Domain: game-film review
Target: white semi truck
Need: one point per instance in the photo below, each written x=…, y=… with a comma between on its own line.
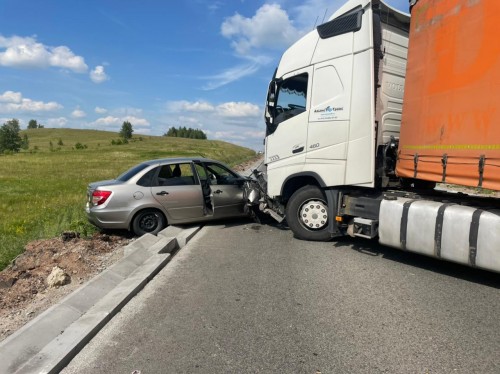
x=336, y=159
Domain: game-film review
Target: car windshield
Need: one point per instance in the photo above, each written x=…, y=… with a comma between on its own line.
x=131, y=172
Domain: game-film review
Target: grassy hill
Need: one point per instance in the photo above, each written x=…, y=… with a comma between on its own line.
x=43, y=189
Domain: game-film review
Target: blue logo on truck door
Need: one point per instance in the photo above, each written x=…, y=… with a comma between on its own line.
x=328, y=113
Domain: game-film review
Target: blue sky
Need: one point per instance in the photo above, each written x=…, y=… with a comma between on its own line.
x=93, y=64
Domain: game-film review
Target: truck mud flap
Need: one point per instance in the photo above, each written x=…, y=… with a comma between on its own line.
x=452, y=232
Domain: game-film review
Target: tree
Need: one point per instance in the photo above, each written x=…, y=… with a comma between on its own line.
x=25, y=143
x=126, y=131
x=183, y=132
x=171, y=132
x=32, y=124
x=10, y=140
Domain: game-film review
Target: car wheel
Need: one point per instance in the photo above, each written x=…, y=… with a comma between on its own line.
x=307, y=214
x=149, y=221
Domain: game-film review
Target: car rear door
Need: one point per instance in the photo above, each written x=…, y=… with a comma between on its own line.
x=176, y=188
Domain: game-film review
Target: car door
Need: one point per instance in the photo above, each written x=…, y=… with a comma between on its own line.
x=176, y=188
x=227, y=190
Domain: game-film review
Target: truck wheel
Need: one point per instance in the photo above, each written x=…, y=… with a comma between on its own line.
x=149, y=221
x=307, y=214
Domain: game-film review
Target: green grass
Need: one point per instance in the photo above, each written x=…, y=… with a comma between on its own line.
x=43, y=189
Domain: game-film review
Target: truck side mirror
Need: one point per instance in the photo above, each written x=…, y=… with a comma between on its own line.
x=271, y=102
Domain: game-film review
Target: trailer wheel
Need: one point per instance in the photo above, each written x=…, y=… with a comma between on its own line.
x=307, y=214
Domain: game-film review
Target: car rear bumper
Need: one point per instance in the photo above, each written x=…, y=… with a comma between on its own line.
x=106, y=219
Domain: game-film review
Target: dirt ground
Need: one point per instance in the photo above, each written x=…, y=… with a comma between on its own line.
x=24, y=292
x=24, y=289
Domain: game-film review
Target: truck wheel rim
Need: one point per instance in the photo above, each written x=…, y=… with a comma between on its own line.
x=313, y=215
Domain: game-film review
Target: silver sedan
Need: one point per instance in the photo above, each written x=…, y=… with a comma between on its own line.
x=156, y=193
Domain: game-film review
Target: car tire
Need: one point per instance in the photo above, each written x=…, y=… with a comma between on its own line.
x=150, y=221
x=307, y=214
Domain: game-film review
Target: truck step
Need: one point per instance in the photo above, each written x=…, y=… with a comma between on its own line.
x=365, y=228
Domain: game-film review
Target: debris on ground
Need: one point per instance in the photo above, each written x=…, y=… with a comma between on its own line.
x=50, y=269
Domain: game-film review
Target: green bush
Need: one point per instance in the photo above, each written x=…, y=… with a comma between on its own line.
x=80, y=146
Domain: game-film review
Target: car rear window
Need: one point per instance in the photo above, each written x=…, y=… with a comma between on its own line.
x=131, y=172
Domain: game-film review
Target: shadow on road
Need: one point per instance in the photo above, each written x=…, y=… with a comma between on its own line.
x=375, y=249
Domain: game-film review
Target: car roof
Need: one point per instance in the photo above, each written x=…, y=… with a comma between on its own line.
x=176, y=160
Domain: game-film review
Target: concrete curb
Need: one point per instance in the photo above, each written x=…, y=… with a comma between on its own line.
x=49, y=342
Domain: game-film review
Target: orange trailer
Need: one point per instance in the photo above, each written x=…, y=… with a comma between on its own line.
x=450, y=130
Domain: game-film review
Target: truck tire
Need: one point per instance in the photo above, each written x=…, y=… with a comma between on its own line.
x=307, y=214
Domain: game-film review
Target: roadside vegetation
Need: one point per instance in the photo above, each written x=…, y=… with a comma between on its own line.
x=43, y=187
x=183, y=132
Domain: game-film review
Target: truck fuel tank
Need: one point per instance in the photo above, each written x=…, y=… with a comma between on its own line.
x=452, y=232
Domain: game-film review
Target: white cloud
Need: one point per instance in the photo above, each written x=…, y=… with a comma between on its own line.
x=11, y=97
x=26, y=52
x=57, y=122
x=13, y=102
x=106, y=121
x=272, y=28
x=136, y=122
x=253, y=39
x=236, y=122
x=231, y=75
x=188, y=106
x=98, y=75
x=228, y=109
x=238, y=109
x=112, y=122
x=100, y=110
x=78, y=113
x=269, y=28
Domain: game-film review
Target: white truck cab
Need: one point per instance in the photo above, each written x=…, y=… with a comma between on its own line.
x=336, y=97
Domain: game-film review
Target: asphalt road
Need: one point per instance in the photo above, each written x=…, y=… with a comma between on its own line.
x=248, y=298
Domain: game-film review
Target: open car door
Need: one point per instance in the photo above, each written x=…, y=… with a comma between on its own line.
x=227, y=190
x=208, y=197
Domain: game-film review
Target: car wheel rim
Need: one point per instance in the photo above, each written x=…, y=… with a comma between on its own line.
x=148, y=222
x=313, y=215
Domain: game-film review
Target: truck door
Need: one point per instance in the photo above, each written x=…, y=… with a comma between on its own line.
x=329, y=115
x=287, y=135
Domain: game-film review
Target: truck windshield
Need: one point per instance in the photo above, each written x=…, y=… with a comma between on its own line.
x=292, y=97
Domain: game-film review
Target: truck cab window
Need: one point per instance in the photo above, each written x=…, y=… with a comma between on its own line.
x=291, y=100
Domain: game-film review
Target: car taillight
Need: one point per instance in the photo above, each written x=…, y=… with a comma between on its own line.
x=99, y=197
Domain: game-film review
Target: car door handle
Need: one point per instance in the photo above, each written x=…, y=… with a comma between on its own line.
x=218, y=191
x=298, y=150
x=162, y=193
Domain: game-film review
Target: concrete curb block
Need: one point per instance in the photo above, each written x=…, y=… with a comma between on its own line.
x=48, y=342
